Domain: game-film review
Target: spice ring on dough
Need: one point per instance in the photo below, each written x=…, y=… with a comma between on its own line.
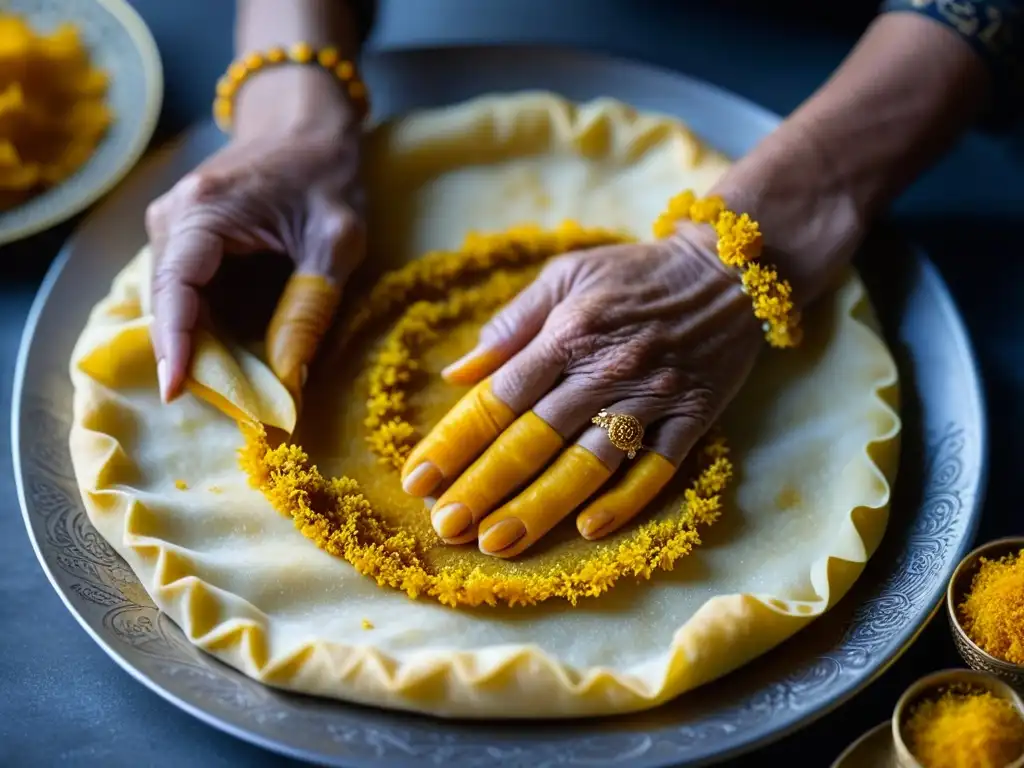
x=335, y=512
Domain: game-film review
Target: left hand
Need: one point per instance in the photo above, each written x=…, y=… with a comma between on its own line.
x=661, y=331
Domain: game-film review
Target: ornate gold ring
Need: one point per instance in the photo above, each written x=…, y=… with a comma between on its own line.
x=625, y=432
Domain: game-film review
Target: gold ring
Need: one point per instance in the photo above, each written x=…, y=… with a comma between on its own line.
x=625, y=432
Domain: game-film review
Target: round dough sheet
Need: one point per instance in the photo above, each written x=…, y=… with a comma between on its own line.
x=814, y=435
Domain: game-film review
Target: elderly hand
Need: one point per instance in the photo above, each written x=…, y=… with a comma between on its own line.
x=659, y=331
x=288, y=183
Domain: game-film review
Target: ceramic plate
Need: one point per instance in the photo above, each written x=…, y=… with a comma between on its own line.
x=120, y=44
x=934, y=512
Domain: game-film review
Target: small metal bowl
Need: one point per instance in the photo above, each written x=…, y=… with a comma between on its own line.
x=959, y=584
x=930, y=684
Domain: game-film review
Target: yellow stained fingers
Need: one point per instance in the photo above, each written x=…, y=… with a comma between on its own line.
x=519, y=453
x=613, y=509
x=474, y=366
x=303, y=315
x=573, y=478
x=466, y=430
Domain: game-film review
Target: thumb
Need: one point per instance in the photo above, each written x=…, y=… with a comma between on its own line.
x=513, y=327
x=184, y=263
x=332, y=246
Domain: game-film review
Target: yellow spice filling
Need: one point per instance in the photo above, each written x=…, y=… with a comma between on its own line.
x=428, y=296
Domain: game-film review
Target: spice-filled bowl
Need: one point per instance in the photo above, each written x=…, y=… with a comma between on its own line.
x=99, y=62
x=985, y=606
x=959, y=717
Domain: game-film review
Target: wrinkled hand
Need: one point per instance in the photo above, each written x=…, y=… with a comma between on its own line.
x=290, y=190
x=661, y=331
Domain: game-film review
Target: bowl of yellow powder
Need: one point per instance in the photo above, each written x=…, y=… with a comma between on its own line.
x=985, y=605
x=81, y=87
x=959, y=718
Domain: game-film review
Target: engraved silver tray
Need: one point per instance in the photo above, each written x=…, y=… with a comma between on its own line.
x=934, y=514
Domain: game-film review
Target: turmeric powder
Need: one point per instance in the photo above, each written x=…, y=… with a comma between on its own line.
x=336, y=515
x=965, y=728
x=52, y=109
x=992, y=614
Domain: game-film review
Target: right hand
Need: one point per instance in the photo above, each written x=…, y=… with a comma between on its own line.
x=287, y=182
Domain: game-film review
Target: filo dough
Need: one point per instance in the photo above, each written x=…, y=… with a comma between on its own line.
x=815, y=436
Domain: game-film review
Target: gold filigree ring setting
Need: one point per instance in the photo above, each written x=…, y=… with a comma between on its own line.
x=625, y=432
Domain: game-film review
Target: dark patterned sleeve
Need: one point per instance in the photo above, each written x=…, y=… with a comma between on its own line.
x=995, y=30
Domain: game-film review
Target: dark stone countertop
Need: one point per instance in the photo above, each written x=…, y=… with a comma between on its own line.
x=64, y=703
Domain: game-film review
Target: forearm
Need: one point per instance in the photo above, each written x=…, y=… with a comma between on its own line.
x=908, y=90
x=900, y=99
x=290, y=97
x=262, y=24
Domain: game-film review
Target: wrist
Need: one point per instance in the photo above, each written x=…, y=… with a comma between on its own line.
x=293, y=100
x=295, y=97
x=808, y=214
x=901, y=98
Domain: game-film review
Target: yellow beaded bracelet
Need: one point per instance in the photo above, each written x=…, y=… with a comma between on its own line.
x=300, y=53
x=739, y=247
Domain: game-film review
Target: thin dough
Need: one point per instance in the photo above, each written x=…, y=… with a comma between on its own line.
x=815, y=436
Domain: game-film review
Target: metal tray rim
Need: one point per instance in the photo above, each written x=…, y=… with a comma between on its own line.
x=959, y=337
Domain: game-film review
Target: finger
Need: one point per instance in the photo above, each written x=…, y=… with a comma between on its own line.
x=478, y=418
x=643, y=481
x=517, y=384
x=513, y=459
x=304, y=314
x=472, y=423
x=557, y=494
x=332, y=245
x=333, y=240
x=624, y=501
x=483, y=414
x=184, y=262
x=516, y=457
x=518, y=454
x=574, y=476
x=512, y=328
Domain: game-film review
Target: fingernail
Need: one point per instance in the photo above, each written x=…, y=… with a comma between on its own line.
x=501, y=536
x=591, y=526
x=451, y=520
x=472, y=366
x=291, y=377
x=161, y=378
x=422, y=480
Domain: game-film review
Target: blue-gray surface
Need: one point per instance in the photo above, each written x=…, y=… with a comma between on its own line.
x=63, y=702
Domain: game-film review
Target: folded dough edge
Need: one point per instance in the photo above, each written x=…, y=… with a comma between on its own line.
x=507, y=682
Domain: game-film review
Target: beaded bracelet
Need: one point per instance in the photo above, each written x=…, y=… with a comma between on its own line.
x=300, y=53
x=739, y=247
